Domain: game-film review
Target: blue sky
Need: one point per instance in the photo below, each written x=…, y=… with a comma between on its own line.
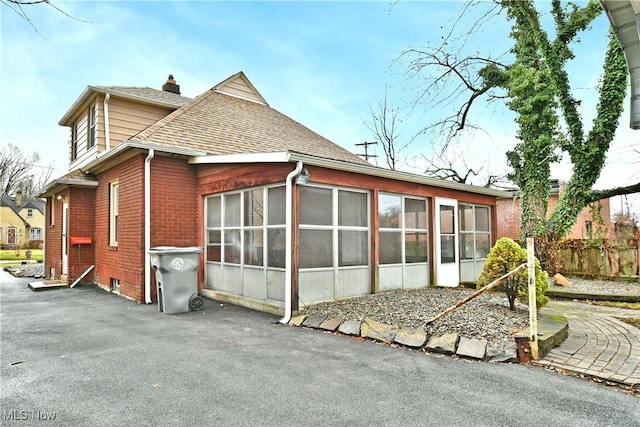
x=321, y=63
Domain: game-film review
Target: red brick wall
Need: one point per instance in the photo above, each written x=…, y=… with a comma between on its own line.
x=509, y=219
x=174, y=203
x=124, y=261
x=174, y=218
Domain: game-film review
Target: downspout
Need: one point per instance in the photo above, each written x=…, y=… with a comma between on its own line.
x=107, y=140
x=288, y=243
x=147, y=227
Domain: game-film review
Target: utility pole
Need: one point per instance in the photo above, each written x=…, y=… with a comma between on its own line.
x=366, y=154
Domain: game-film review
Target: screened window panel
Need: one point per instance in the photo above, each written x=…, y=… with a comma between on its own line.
x=467, y=246
x=466, y=218
x=415, y=213
x=416, y=247
x=277, y=204
x=316, y=248
x=390, y=247
x=253, y=208
x=352, y=209
x=253, y=247
x=447, y=224
x=214, y=241
x=232, y=210
x=389, y=211
x=483, y=245
x=232, y=246
x=354, y=248
x=276, y=247
x=447, y=249
x=316, y=206
x=482, y=218
x=214, y=218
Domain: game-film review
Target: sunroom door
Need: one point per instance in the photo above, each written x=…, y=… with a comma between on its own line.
x=446, y=236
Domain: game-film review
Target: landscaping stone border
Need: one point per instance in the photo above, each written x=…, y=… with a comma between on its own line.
x=448, y=344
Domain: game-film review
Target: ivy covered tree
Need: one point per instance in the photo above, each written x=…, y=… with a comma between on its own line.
x=535, y=85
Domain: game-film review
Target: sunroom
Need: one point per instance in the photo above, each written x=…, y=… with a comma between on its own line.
x=391, y=231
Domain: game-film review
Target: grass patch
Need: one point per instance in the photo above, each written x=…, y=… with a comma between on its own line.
x=20, y=255
x=616, y=304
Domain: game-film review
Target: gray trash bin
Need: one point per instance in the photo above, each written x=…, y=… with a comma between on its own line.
x=177, y=278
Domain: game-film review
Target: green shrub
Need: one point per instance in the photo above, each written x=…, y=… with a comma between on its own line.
x=505, y=256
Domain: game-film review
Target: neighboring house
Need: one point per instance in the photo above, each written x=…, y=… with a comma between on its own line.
x=285, y=216
x=592, y=222
x=21, y=222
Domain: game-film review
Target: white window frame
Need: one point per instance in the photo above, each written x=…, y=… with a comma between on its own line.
x=335, y=228
x=114, y=214
x=93, y=127
x=74, y=141
x=32, y=232
x=474, y=231
x=402, y=229
x=241, y=228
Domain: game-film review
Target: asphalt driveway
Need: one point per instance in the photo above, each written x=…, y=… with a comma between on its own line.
x=90, y=358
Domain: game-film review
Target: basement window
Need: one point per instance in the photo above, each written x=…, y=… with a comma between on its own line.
x=115, y=286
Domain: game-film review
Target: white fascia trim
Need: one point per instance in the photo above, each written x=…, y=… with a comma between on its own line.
x=396, y=175
x=239, y=96
x=275, y=157
x=146, y=146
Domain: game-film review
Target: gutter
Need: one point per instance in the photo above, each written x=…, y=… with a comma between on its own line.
x=147, y=226
x=288, y=244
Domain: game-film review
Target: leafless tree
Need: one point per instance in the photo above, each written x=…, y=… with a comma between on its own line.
x=452, y=166
x=20, y=171
x=384, y=125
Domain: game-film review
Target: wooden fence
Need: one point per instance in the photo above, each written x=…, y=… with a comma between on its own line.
x=605, y=258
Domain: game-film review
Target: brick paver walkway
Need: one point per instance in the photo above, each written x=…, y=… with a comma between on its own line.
x=599, y=344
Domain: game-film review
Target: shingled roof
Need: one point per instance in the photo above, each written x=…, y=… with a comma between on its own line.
x=232, y=118
x=150, y=94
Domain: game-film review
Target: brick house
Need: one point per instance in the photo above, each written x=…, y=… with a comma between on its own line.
x=285, y=216
x=594, y=220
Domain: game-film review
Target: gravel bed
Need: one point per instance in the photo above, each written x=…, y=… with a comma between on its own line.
x=612, y=287
x=487, y=316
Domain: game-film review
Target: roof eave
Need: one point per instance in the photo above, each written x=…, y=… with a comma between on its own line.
x=370, y=170
x=139, y=145
x=84, y=97
x=58, y=185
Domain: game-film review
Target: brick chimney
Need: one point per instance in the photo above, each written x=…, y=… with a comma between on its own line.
x=171, y=86
x=19, y=198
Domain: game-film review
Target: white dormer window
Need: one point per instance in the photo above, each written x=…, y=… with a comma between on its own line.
x=74, y=141
x=93, y=126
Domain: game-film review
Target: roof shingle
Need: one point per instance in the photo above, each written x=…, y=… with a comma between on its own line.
x=218, y=123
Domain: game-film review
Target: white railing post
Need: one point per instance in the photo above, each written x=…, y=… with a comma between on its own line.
x=533, y=314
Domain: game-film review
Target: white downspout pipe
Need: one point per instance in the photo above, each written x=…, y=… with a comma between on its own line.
x=288, y=242
x=147, y=227
x=107, y=139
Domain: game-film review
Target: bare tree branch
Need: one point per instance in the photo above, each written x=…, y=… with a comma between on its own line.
x=17, y=7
